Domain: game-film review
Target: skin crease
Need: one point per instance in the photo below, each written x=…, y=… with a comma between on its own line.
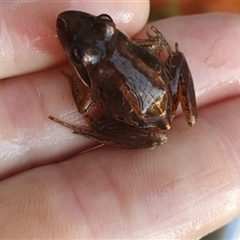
x=182, y=190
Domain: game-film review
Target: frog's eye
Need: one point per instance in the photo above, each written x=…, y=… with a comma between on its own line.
x=61, y=24
x=105, y=17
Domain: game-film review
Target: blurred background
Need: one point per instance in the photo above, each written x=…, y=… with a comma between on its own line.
x=170, y=8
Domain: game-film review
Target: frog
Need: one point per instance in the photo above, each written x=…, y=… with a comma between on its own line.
x=137, y=89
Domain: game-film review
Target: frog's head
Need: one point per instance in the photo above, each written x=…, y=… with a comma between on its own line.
x=83, y=30
x=83, y=38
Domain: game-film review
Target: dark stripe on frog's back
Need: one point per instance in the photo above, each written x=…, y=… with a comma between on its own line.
x=108, y=94
x=139, y=67
x=140, y=58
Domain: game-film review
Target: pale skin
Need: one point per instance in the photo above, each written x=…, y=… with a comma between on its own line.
x=183, y=190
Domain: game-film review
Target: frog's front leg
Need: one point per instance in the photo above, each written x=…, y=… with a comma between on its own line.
x=182, y=87
x=82, y=94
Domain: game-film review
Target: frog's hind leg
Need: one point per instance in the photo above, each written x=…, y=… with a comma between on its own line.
x=182, y=86
x=82, y=94
x=76, y=129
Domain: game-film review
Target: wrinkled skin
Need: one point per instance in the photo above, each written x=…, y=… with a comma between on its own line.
x=182, y=190
x=138, y=92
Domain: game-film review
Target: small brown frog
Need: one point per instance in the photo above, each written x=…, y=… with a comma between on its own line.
x=137, y=90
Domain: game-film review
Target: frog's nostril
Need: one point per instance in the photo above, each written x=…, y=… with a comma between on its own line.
x=61, y=23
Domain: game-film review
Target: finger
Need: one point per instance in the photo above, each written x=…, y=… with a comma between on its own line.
x=183, y=190
x=28, y=39
x=28, y=136
x=211, y=46
x=56, y=141
x=25, y=100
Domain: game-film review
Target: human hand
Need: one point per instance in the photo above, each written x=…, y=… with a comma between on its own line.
x=183, y=189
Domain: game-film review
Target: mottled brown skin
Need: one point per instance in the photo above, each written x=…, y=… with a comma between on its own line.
x=137, y=90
